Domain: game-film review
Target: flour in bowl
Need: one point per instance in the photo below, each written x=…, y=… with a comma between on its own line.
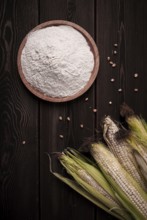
x=57, y=61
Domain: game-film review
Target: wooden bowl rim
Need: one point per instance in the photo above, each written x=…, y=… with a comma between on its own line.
x=94, y=72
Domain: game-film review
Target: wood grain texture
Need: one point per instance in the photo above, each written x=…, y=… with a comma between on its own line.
x=107, y=34
x=136, y=52
x=53, y=192
x=18, y=116
x=30, y=127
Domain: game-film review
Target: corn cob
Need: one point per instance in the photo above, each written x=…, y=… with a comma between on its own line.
x=93, y=173
x=127, y=189
x=90, y=185
x=121, y=149
x=75, y=170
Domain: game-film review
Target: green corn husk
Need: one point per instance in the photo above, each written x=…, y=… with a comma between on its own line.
x=90, y=188
x=138, y=140
x=128, y=191
x=137, y=125
x=75, y=186
x=92, y=171
x=85, y=180
x=138, y=128
x=80, y=156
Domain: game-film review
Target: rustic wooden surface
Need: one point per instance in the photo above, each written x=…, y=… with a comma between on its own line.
x=30, y=127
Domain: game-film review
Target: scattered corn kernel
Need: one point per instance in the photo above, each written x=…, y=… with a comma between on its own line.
x=94, y=110
x=114, y=65
x=119, y=90
x=60, y=118
x=135, y=75
x=68, y=118
x=136, y=90
x=112, y=80
x=115, y=45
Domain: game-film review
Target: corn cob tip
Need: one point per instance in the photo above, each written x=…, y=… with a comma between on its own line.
x=108, y=122
x=100, y=146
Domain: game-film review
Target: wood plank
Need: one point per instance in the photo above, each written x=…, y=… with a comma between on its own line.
x=123, y=22
x=118, y=21
x=58, y=200
x=107, y=34
x=18, y=116
x=136, y=54
x=130, y=31
x=108, y=98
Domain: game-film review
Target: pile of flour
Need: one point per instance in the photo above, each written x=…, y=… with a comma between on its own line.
x=57, y=61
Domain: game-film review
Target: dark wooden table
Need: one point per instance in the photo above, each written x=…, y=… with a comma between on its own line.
x=30, y=127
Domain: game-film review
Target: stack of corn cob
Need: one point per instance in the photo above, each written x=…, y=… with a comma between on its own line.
x=115, y=176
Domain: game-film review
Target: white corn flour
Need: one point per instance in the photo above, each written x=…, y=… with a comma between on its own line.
x=57, y=61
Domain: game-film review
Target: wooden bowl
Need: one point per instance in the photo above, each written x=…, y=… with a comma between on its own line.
x=94, y=50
